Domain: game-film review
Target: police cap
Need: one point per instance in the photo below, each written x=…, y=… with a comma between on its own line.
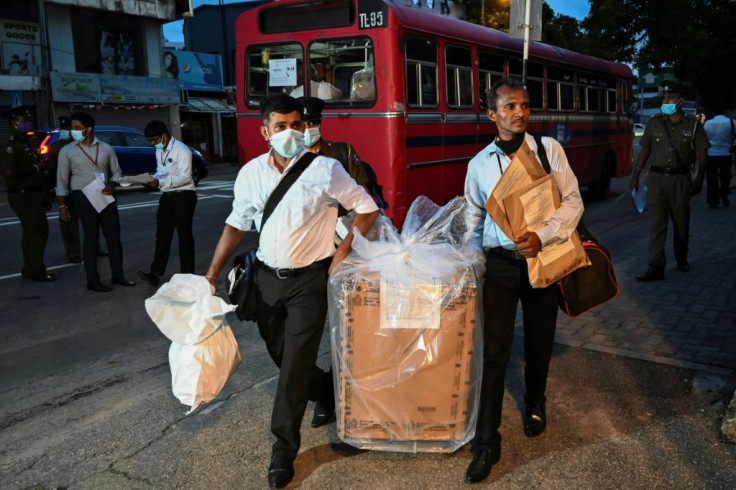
x=312, y=108
x=23, y=110
x=671, y=87
x=64, y=122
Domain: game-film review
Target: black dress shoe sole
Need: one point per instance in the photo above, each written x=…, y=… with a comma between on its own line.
x=123, y=282
x=149, y=277
x=477, y=470
x=320, y=419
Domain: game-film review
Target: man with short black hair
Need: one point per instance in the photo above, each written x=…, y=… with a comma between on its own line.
x=721, y=131
x=506, y=280
x=80, y=163
x=295, y=252
x=27, y=185
x=672, y=142
x=176, y=205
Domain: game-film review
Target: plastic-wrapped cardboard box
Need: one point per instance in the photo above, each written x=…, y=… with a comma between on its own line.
x=407, y=384
x=406, y=342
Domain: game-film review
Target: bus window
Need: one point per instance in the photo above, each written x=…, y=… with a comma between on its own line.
x=534, y=80
x=459, y=77
x=337, y=61
x=490, y=69
x=624, y=97
x=258, y=83
x=608, y=91
x=560, y=89
x=589, y=93
x=421, y=73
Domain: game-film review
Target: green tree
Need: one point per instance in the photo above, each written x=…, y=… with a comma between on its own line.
x=560, y=30
x=490, y=13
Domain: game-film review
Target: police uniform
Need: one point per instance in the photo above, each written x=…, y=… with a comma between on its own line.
x=69, y=229
x=27, y=196
x=669, y=182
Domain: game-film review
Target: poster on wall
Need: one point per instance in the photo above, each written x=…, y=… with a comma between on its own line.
x=21, y=59
x=117, y=53
x=195, y=71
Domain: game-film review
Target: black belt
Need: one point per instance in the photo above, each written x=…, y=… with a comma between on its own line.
x=504, y=252
x=669, y=170
x=24, y=191
x=177, y=192
x=290, y=273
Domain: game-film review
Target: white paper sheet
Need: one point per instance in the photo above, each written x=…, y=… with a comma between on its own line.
x=143, y=178
x=93, y=192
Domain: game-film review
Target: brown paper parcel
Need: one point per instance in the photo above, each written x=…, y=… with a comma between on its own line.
x=527, y=209
x=523, y=170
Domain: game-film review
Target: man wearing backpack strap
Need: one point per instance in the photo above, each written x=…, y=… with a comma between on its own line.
x=345, y=153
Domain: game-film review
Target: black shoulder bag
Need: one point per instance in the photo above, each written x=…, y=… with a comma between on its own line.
x=241, y=278
x=588, y=287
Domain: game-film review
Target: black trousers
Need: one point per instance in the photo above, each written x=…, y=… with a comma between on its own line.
x=718, y=178
x=507, y=282
x=175, y=212
x=70, y=233
x=31, y=212
x=291, y=318
x=92, y=221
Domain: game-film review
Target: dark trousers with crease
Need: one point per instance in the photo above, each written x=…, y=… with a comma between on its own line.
x=291, y=318
x=92, y=221
x=175, y=213
x=507, y=282
x=668, y=196
x=718, y=178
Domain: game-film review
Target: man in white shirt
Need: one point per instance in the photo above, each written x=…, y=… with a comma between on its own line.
x=80, y=164
x=721, y=131
x=296, y=250
x=506, y=277
x=176, y=206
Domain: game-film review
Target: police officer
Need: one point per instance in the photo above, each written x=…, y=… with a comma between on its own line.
x=671, y=143
x=25, y=178
x=69, y=229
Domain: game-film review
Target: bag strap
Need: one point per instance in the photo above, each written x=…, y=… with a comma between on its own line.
x=542, y=154
x=672, y=142
x=286, y=182
x=583, y=232
x=733, y=136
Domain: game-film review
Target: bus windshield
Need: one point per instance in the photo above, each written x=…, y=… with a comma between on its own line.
x=340, y=71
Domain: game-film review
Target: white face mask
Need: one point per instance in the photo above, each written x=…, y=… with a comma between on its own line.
x=287, y=143
x=311, y=136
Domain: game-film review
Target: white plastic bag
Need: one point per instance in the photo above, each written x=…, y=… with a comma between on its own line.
x=640, y=196
x=204, y=352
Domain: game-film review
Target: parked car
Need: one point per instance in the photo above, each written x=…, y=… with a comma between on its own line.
x=135, y=153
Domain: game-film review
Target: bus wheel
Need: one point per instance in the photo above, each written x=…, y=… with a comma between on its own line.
x=599, y=190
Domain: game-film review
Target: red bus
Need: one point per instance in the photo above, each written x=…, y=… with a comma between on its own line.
x=407, y=87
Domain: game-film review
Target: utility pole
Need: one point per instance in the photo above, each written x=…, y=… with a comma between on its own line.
x=225, y=54
x=44, y=102
x=527, y=28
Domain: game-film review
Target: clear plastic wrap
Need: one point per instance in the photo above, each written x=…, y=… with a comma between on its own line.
x=406, y=333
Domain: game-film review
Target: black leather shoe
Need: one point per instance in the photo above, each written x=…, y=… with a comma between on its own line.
x=535, y=420
x=280, y=472
x=98, y=287
x=102, y=253
x=75, y=260
x=121, y=281
x=651, y=275
x=683, y=266
x=43, y=277
x=322, y=416
x=149, y=277
x=479, y=469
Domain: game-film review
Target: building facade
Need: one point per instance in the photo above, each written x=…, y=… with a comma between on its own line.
x=97, y=56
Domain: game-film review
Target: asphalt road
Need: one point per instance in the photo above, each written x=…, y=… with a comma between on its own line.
x=86, y=397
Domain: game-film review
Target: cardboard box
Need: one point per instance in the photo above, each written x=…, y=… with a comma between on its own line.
x=404, y=384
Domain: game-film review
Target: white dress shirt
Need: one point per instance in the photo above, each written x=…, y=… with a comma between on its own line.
x=302, y=227
x=718, y=131
x=482, y=177
x=79, y=164
x=174, y=167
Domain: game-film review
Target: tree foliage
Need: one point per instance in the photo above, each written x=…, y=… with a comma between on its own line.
x=560, y=30
x=489, y=13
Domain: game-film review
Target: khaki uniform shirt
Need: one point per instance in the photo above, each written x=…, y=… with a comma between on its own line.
x=688, y=135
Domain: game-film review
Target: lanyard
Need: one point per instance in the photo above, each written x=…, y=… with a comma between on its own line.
x=97, y=153
x=498, y=159
x=166, y=154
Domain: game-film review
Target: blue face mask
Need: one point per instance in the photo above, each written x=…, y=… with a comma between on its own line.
x=287, y=143
x=159, y=146
x=64, y=134
x=669, y=109
x=78, y=135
